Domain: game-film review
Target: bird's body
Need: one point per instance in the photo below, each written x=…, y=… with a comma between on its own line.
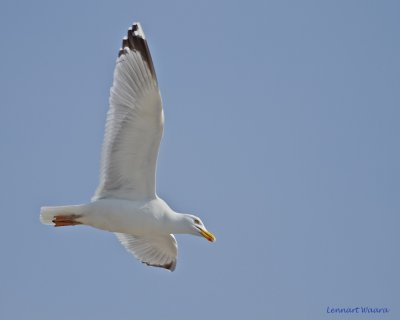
x=140, y=218
x=126, y=202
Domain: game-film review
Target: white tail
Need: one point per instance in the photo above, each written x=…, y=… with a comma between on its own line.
x=47, y=214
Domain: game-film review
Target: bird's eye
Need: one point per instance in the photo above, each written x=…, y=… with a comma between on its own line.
x=196, y=221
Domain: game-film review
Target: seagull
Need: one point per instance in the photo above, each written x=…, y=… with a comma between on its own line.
x=126, y=202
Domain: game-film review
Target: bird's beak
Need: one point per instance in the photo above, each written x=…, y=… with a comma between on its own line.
x=206, y=234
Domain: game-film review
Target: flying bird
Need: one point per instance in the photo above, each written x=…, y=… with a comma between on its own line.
x=126, y=201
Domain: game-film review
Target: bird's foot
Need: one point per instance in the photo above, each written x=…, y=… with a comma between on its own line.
x=66, y=220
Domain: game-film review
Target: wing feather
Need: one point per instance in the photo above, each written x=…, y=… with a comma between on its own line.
x=157, y=251
x=134, y=125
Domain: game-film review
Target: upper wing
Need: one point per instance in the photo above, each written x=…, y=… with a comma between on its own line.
x=157, y=251
x=134, y=125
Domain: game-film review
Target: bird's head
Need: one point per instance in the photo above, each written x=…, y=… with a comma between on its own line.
x=196, y=227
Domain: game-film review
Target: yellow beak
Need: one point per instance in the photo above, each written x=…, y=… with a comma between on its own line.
x=206, y=234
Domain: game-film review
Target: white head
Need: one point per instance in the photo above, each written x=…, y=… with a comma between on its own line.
x=194, y=225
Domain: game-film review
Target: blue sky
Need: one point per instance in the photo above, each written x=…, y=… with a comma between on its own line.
x=282, y=134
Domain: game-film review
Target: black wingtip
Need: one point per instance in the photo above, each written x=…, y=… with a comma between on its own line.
x=169, y=266
x=136, y=41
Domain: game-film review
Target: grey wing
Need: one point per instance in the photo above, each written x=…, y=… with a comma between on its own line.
x=157, y=251
x=134, y=125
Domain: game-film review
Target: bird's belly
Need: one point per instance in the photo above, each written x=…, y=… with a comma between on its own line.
x=122, y=216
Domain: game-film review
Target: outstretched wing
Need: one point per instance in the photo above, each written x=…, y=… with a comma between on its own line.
x=157, y=251
x=134, y=125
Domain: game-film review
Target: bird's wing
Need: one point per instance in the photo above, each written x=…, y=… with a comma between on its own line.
x=134, y=125
x=157, y=251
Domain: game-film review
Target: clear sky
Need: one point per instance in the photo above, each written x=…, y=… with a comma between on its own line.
x=282, y=134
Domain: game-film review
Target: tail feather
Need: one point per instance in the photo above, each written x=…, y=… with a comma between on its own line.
x=48, y=215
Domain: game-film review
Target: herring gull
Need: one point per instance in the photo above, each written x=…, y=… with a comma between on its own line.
x=126, y=201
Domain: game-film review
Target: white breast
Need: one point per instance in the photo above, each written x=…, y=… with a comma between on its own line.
x=125, y=216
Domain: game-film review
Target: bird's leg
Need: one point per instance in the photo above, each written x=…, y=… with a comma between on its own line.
x=66, y=220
